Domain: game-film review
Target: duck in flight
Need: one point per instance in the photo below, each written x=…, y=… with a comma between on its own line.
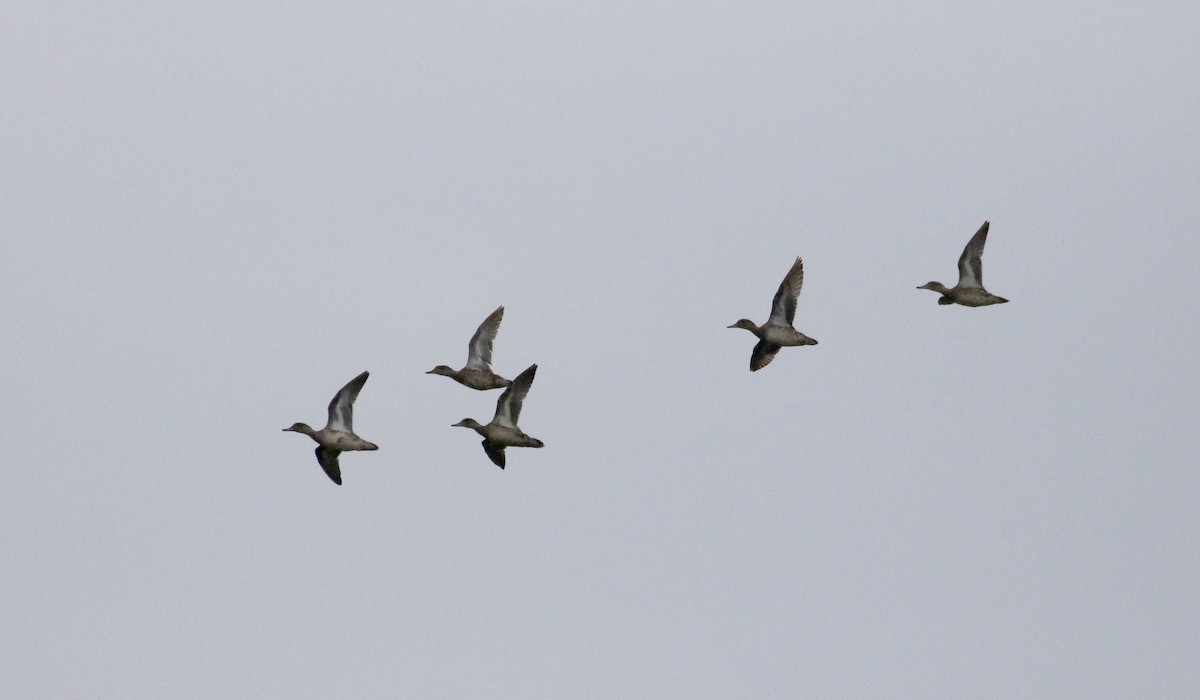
x=969, y=291
x=778, y=331
x=338, y=434
x=503, y=431
x=478, y=373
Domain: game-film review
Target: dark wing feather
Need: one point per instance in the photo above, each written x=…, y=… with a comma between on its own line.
x=328, y=459
x=494, y=453
x=762, y=355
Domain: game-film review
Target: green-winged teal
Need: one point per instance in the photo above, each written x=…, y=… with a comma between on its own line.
x=778, y=332
x=478, y=373
x=503, y=431
x=338, y=434
x=969, y=291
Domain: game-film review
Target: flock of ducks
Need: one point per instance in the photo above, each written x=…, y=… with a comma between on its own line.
x=778, y=332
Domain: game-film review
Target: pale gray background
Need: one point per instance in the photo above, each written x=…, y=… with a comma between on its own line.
x=214, y=214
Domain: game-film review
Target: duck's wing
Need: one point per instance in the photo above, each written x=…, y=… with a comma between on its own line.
x=783, y=306
x=494, y=453
x=762, y=355
x=970, y=263
x=508, y=406
x=479, y=352
x=328, y=459
x=341, y=408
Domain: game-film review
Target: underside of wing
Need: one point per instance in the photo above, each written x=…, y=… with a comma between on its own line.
x=479, y=352
x=970, y=263
x=783, y=306
x=508, y=406
x=341, y=408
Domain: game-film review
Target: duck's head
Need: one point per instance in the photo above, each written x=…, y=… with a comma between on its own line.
x=935, y=286
x=745, y=323
x=442, y=370
x=467, y=423
x=299, y=428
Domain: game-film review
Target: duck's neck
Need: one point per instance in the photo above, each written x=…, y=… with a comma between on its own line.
x=470, y=423
x=749, y=325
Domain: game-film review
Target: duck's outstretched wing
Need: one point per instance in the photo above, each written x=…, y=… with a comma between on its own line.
x=494, y=453
x=970, y=263
x=783, y=306
x=479, y=352
x=508, y=406
x=762, y=355
x=328, y=459
x=341, y=408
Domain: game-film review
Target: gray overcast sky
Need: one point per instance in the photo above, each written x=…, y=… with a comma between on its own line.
x=215, y=214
